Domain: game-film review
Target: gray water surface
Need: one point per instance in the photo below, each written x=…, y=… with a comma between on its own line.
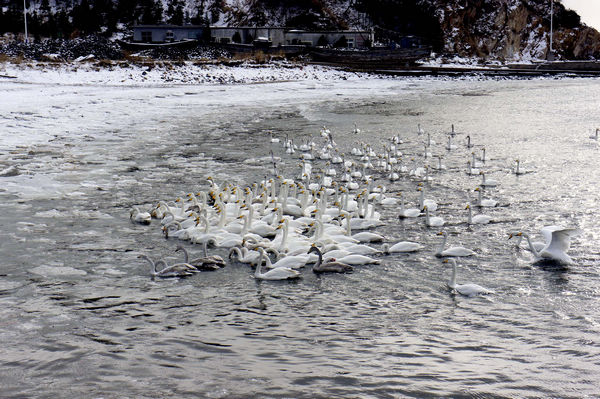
x=81, y=316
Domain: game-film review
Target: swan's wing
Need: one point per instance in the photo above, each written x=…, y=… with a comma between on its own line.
x=561, y=239
x=547, y=232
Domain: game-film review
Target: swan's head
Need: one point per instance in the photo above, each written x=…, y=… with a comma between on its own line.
x=442, y=233
x=468, y=206
x=511, y=235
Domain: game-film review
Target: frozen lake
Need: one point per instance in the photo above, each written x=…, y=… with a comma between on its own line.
x=82, y=317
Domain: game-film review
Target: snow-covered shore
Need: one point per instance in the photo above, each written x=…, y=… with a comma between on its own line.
x=167, y=73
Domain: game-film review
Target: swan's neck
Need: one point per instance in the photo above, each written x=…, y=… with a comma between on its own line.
x=452, y=282
x=421, y=199
x=518, y=166
x=257, y=272
x=318, y=264
x=186, y=256
x=470, y=220
x=204, y=247
x=285, y=235
x=443, y=244
x=531, y=247
x=237, y=251
x=246, y=225
x=348, y=227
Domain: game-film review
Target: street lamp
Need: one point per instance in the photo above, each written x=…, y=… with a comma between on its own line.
x=25, y=18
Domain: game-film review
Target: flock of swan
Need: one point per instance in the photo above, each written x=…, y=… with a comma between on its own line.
x=327, y=214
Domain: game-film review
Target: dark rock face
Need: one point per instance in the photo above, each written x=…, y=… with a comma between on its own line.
x=514, y=29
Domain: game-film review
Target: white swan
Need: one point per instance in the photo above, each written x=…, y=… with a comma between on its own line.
x=558, y=240
x=518, y=170
x=487, y=182
x=356, y=259
x=595, y=136
x=470, y=170
x=433, y=221
x=484, y=202
x=407, y=213
x=429, y=203
x=138, y=216
x=279, y=273
x=465, y=289
x=477, y=219
x=452, y=251
x=402, y=246
x=538, y=245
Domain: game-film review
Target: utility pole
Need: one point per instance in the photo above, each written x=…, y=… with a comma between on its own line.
x=25, y=18
x=551, y=29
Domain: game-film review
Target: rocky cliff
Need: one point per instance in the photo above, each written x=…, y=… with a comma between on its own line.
x=488, y=29
x=514, y=30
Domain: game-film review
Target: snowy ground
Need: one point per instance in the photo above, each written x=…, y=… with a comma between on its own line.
x=165, y=73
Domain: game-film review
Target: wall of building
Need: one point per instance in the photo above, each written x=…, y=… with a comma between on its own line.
x=161, y=34
x=246, y=35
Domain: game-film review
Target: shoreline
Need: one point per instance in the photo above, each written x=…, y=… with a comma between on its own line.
x=159, y=73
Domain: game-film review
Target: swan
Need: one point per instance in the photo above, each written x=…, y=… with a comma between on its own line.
x=477, y=219
x=420, y=130
x=488, y=182
x=138, y=216
x=440, y=165
x=433, y=221
x=360, y=249
x=407, y=213
x=452, y=251
x=538, y=245
x=595, y=136
x=431, y=204
x=329, y=267
x=465, y=289
x=279, y=273
x=177, y=270
x=429, y=141
x=356, y=259
x=402, y=246
x=470, y=170
x=205, y=263
x=469, y=145
x=274, y=140
x=289, y=261
x=450, y=146
x=558, y=240
x=363, y=236
x=243, y=254
x=474, y=163
x=518, y=170
x=484, y=202
x=356, y=129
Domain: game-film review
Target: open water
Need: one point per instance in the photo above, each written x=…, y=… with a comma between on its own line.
x=81, y=316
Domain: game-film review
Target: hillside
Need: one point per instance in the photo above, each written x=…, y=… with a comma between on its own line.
x=486, y=29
